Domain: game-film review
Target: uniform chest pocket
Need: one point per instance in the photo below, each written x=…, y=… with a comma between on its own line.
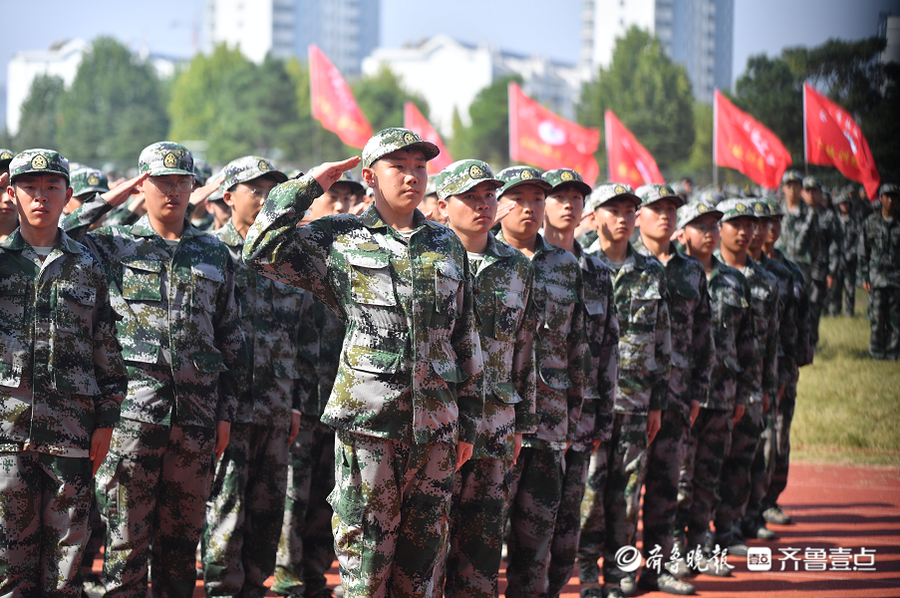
x=14, y=293
x=140, y=280
x=508, y=314
x=370, y=279
x=73, y=311
x=731, y=306
x=559, y=305
x=448, y=278
x=206, y=280
x=644, y=305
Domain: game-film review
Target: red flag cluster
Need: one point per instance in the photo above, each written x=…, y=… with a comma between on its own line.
x=543, y=139
x=415, y=122
x=333, y=103
x=629, y=161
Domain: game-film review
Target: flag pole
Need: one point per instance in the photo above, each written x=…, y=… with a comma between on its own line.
x=805, y=159
x=715, y=137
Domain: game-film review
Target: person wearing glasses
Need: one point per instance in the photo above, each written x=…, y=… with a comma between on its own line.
x=173, y=288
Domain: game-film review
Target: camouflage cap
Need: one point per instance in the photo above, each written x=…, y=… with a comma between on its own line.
x=521, y=175
x=842, y=197
x=89, y=180
x=791, y=176
x=812, y=182
x=737, y=208
x=690, y=212
x=392, y=139
x=6, y=156
x=37, y=161
x=761, y=207
x=430, y=187
x=567, y=176
x=202, y=171
x=249, y=168
x=462, y=175
x=609, y=192
x=166, y=157
x=710, y=197
x=356, y=188
x=889, y=189
x=775, y=210
x=653, y=193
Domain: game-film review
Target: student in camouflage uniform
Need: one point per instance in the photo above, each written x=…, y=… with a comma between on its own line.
x=692, y=361
x=400, y=283
x=180, y=331
x=502, y=282
x=306, y=549
x=879, y=265
x=536, y=480
x=85, y=182
x=740, y=226
x=9, y=218
x=246, y=507
x=844, y=286
x=645, y=348
x=562, y=214
x=736, y=375
x=825, y=269
x=62, y=381
x=752, y=524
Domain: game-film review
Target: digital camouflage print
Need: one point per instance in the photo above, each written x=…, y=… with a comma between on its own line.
x=392, y=139
x=88, y=180
x=38, y=161
x=166, y=157
x=249, y=168
x=879, y=256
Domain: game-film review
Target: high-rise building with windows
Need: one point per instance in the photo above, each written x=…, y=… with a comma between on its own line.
x=346, y=30
x=696, y=33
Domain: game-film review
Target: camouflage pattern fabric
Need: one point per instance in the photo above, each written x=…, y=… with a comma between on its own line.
x=535, y=492
x=593, y=514
x=392, y=548
x=879, y=256
x=392, y=139
x=786, y=320
x=567, y=530
x=735, y=479
x=38, y=161
x=45, y=503
x=152, y=489
x=832, y=243
x=803, y=350
x=801, y=240
x=845, y=282
x=166, y=157
x=78, y=222
x=783, y=418
x=244, y=511
x=884, y=318
x=87, y=180
x=248, y=168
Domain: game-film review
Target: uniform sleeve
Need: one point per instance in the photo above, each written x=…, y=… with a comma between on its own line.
x=578, y=362
x=524, y=376
x=835, y=249
x=78, y=223
x=306, y=387
x=787, y=333
x=660, y=376
x=770, y=359
x=606, y=376
x=703, y=345
x=467, y=347
x=229, y=340
x=865, y=252
x=749, y=378
x=277, y=248
x=109, y=368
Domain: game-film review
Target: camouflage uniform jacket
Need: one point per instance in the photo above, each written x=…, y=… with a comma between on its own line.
x=832, y=244
x=560, y=347
x=879, y=251
x=79, y=221
x=602, y=329
x=801, y=239
x=407, y=305
x=331, y=338
x=690, y=320
x=850, y=228
x=645, y=341
x=765, y=305
x=803, y=349
x=282, y=343
x=180, y=329
x=737, y=372
x=61, y=370
x=503, y=280
x=787, y=319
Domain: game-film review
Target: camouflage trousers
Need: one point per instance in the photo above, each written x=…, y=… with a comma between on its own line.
x=698, y=483
x=306, y=549
x=626, y=455
x=884, y=318
x=844, y=287
x=244, y=512
x=45, y=505
x=98, y=536
x=734, y=481
x=666, y=455
x=818, y=296
x=763, y=465
x=391, y=504
x=783, y=416
x=567, y=531
x=472, y=564
x=593, y=516
x=152, y=489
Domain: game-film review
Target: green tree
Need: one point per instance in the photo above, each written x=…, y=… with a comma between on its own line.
x=700, y=162
x=381, y=98
x=39, y=120
x=649, y=93
x=487, y=137
x=114, y=108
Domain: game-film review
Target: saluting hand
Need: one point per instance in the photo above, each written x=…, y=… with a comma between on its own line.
x=329, y=173
x=125, y=189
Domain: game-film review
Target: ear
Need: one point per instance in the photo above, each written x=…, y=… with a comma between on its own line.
x=229, y=199
x=69, y=191
x=368, y=176
x=442, y=208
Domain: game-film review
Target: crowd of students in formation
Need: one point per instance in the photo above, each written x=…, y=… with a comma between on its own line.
x=284, y=369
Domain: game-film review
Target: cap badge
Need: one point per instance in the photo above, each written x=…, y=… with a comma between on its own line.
x=410, y=138
x=39, y=162
x=526, y=175
x=566, y=176
x=620, y=190
x=476, y=172
x=93, y=180
x=170, y=161
x=740, y=208
x=702, y=208
x=264, y=166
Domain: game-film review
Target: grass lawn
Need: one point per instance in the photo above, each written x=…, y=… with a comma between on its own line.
x=848, y=405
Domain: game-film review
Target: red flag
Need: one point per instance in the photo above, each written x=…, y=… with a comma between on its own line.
x=748, y=146
x=333, y=103
x=832, y=138
x=415, y=122
x=545, y=140
x=629, y=161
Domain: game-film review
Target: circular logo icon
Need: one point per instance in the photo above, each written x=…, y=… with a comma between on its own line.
x=526, y=175
x=566, y=176
x=740, y=208
x=476, y=172
x=702, y=208
x=409, y=138
x=170, y=161
x=93, y=181
x=39, y=162
x=628, y=558
x=264, y=166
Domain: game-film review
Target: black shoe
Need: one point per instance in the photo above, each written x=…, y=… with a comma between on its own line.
x=588, y=571
x=665, y=582
x=731, y=542
x=593, y=592
x=753, y=527
x=777, y=516
x=627, y=586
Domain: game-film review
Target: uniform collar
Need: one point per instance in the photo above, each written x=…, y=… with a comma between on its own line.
x=372, y=219
x=142, y=228
x=229, y=235
x=16, y=242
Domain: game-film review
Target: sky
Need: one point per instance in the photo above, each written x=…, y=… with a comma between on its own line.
x=174, y=27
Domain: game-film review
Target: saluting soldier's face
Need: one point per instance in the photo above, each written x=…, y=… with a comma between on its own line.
x=39, y=198
x=737, y=233
x=399, y=180
x=167, y=196
x=563, y=208
x=472, y=211
x=527, y=215
x=615, y=220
